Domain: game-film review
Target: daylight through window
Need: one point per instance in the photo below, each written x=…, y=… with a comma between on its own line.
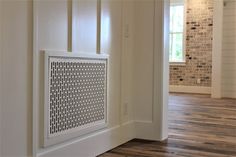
x=176, y=53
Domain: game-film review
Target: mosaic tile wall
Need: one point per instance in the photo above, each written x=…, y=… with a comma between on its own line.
x=199, y=33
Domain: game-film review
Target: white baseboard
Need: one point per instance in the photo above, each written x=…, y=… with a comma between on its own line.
x=95, y=144
x=144, y=130
x=190, y=89
x=229, y=95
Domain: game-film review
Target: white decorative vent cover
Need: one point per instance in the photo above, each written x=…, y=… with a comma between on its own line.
x=75, y=95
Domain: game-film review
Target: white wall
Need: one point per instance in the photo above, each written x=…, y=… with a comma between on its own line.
x=216, y=91
x=16, y=73
x=16, y=78
x=131, y=71
x=229, y=51
x=85, y=18
x=50, y=33
x=150, y=69
x=52, y=28
x=1, y=52
x=127, y=61
x=143, y=60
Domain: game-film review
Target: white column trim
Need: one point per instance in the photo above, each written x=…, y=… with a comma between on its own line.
x=217, y=49
x=161, y=67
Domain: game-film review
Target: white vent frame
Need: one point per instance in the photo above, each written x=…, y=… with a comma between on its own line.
x=79, y=131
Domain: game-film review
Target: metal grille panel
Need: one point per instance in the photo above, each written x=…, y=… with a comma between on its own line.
x=76, y=94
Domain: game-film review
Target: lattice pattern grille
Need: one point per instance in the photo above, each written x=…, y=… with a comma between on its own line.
x=77, y=93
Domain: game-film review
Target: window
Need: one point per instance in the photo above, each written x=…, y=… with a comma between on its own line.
x=176, y=53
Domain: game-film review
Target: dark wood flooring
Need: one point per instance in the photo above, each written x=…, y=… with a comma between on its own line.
x=198, y=127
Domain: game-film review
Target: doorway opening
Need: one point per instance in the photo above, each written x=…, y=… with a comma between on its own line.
x=190, y=46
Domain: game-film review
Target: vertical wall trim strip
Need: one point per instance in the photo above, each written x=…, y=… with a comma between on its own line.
x=69, y=12
x=98, y=26
x=123, y=64
x=154, y=61
x=35, y=77
x=74, y=10
x=217, y=49
x=1, y=44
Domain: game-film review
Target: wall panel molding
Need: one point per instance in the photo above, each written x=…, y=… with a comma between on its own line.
x=117, y=133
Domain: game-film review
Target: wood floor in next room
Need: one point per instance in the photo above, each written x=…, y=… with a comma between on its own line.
x=198, y=127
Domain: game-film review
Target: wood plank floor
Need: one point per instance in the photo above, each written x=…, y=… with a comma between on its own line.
x=198, y=127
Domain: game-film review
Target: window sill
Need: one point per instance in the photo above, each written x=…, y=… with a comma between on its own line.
x=177, y=63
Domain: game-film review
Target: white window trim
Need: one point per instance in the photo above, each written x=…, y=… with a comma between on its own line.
x=175, y=3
